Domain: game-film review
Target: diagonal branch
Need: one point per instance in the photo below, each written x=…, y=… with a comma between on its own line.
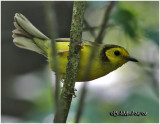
x=81, y=102
x=105, y=21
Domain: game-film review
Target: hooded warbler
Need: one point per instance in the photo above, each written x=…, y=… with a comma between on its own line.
x=107, y=57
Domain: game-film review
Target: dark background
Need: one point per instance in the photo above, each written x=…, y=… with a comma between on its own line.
x=16, y=61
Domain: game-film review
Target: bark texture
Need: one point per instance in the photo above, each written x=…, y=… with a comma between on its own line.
x=73, y=60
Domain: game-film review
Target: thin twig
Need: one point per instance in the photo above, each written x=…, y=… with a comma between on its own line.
x=73, y=60
x=105, y=21
x=150, y=72
x=96, y=27
x=81, y=102
x=50, y=24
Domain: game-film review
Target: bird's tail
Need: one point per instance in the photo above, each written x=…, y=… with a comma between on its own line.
x=25, y=33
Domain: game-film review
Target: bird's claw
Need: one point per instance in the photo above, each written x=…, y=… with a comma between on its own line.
x=75, y=89
x=74, y=95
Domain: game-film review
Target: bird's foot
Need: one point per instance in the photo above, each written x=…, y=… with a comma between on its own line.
x=75, y=89
x=74, y=94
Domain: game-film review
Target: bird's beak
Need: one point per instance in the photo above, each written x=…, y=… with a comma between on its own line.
x=131, y=59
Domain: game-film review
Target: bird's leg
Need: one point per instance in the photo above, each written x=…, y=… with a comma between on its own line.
x=75, y=89
x=74, y=94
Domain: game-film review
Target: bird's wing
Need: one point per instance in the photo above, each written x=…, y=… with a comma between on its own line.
x=63, y=45
x=84, y=42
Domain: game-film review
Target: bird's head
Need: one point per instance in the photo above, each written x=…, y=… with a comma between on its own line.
x=116, y=55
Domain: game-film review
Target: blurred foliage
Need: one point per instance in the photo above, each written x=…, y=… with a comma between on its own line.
x=134, y=103
x=146, y=16
x=97, y=110
x=127, y=20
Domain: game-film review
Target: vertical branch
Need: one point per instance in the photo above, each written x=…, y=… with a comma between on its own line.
x=73, y=60
x=91, y=58
x=50, y=21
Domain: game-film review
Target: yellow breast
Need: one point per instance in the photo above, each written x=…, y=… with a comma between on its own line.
x=98, y=69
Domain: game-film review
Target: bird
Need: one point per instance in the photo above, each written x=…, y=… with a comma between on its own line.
x=108, y=57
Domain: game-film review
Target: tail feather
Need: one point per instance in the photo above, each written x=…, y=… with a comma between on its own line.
x=19, y=31
x=24, y=34
x=26, y=43
x=23, y=24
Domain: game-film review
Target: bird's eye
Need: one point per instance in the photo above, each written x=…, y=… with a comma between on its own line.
x=117, y=53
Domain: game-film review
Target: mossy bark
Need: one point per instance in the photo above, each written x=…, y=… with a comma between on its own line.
x=73, y=60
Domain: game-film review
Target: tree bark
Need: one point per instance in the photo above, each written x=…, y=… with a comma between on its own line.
x=73, y=60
